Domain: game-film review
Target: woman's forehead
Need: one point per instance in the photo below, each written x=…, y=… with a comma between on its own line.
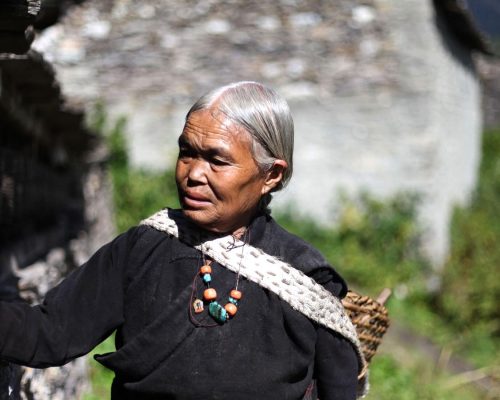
x=208, y=125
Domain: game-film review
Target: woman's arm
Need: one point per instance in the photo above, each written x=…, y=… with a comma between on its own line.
x=336, y=363
x=336, y=367
x=74, y=317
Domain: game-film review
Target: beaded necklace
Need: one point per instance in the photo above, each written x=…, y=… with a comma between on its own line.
x=217, y=311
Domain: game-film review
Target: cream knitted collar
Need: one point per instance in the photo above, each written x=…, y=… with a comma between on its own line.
x=301, y=292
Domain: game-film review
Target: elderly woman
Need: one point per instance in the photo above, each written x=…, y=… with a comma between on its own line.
x=213, y=301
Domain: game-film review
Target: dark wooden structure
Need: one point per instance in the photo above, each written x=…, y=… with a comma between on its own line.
x=44, y=150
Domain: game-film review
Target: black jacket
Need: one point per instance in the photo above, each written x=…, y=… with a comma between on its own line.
x=141, y=285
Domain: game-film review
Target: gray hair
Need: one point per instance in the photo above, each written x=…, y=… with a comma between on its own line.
x=264, y=115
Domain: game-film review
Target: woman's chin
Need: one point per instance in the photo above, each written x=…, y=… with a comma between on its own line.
x=201, y=217
x=213, y=223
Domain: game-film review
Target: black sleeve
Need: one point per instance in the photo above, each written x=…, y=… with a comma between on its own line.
x=75, y=316
x=336, y=363
x=336, y=367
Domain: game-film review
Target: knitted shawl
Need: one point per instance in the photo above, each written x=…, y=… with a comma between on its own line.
x=301, y=292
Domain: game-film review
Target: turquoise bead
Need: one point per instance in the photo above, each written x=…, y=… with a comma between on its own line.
x=234, y=301
x=217, y=312
x=207, y=278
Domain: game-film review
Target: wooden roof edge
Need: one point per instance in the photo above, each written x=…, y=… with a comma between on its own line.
x=19, y=18
x=43, y=118
x=16, y=25
x=52, y=11
x=460, y=22
x=34, y=7
x=20, y=10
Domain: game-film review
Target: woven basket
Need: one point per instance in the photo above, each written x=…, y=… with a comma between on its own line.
x=370, y=318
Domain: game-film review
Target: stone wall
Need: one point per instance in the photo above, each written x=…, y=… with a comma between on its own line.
x=54, y=194
x=385, y=96
x=422, y=134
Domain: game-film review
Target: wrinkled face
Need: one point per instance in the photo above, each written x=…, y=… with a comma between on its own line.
x=218, y=181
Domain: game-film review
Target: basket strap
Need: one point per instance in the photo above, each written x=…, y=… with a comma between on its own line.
x=301, y=292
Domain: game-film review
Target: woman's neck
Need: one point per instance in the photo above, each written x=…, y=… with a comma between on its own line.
x=238, y=233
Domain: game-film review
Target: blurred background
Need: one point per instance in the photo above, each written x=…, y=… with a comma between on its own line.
x=397, y=171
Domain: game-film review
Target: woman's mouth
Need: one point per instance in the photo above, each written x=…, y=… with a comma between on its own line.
x=194, y=200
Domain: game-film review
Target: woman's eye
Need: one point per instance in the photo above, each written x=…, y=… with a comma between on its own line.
x=183, y=153
x=218, y=161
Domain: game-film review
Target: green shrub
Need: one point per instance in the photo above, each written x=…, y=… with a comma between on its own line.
x=471, y=284
x=470, y=279
x=374, y=245
x=137, y=193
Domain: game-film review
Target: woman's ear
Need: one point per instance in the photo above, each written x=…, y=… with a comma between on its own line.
x=274, y=176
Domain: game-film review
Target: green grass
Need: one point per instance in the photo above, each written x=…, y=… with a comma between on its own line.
x=375, y=245
x=100, y=377
x=392, y=379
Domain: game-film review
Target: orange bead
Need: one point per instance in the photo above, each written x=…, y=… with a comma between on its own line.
x=206, y=269
x=198, y=306
x=210, y=294
x=231, y=309
x=235, y=294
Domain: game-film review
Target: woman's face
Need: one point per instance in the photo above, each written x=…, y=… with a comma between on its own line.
x=218, y=181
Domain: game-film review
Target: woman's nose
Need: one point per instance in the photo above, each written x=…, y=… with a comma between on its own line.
x=197, y=171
